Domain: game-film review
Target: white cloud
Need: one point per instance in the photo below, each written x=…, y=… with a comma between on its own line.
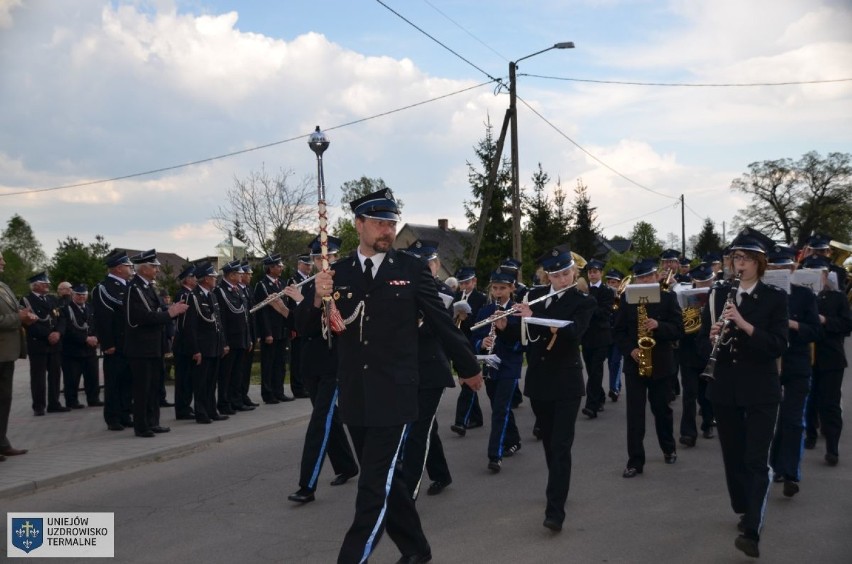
x=6, y=9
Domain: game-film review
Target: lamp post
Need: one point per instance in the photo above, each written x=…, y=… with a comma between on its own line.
x=516, y=193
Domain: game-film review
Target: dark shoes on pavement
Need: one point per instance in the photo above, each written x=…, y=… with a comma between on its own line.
x=510, y=451
x=415, y=558
x=437, y=487
x=302, y=496
x=747, y=545
x=687, y=441
x=9, y=451
x=791, y=488
x=115, y=427
x=552, y=524
x=613, y=396
x=707, y=433
x=631, y=472
x=495, y=464
x=458, y=429
x=832, y=459
x=671, y=458
x=341, y=479
x=590, y=413
x=810, y=442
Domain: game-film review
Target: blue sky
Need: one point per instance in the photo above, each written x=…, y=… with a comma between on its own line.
x=95, y=89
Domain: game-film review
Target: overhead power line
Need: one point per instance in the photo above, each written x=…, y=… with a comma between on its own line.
x=688, y=84
x=461, y=27
x=243, y=151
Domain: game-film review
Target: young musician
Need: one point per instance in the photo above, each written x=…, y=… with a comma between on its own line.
x=746, y=389
x=554, y=379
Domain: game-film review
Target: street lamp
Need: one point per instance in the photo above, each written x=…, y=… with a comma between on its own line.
x=516, y=193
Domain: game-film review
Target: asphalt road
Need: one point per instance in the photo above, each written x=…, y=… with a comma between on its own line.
x=227, y=503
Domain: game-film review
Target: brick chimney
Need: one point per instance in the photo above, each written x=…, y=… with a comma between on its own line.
x=443, y=224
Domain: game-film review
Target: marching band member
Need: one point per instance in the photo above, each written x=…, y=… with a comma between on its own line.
x=502, y=338
x=468, y=412
x=613, y=280
x=745, y=389
x=665, y=320
x=273, y=332
x=325, y=432
x=554, y=379
x=234, y=312
x=44, y=345
x=830, y=362
x=597, y=339
x=245, y=377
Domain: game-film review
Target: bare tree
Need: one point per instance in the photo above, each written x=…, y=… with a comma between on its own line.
x=265, y=209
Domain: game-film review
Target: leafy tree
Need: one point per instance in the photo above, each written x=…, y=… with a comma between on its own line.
x=708, y=240
x=263, y=208
x=18, y=237
x=645, y=242
x=496, y=242
x=793, y=199
x=546, y=220
x=16, y=272
x=584, y=231
x=352, y=190
x=78, y=262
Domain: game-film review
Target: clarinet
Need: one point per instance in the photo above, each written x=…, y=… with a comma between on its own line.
x=709, y=370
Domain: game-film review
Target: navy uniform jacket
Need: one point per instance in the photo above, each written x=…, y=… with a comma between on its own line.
x=378, y=352
x=49, y=320
x=182, y=295
x=233, y=311
x=79, y=324
x=668, y=314
x=507, y=345
x=435, y=369
x=269, y=322
x=796, y=362
x=146, y=321
x=838, y=324
x=318, y=360
x=746, y=370
x=203, y=326
x=557, y=373
x=599, y=333
x=108, y=301
x=252, y=316
x=475, y=300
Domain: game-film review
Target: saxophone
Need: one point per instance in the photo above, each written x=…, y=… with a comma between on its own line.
x=645, y=342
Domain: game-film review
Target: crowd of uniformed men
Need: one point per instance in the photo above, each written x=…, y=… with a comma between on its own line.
x=776, y=381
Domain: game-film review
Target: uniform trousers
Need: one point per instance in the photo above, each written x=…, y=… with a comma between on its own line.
x=72, y=368
x=504, y=431
x=614, y=369
x=7, y=371
x=204, y=387
x=594, y=359
x=745, y=434
x=183, y=385
x=789, y=439
x=146, y=392
x=272, y=368
x=325, y=434
x=382, y=501
x=423, y=446
x=45, y=370
x=297, y=383
x=245, y=378
x=556, y=419
x=228, y=379
x=118, y=389
x=468, y=412
x=655, y=392
x=824, y=407
x=708, y=420
x=689, y=376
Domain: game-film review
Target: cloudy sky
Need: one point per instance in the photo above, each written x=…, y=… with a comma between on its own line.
x=94, y=90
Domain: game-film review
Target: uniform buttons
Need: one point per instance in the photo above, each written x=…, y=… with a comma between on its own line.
x=367, y=318
x=366, y=343
x=365, y=366
x=366, y=295
x=735, y=361
x=733, y=350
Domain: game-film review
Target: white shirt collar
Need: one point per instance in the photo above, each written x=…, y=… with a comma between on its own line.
x=377, y=259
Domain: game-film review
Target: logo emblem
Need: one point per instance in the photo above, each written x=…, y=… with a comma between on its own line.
x=27, y=533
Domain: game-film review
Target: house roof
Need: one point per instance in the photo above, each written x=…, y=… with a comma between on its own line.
x=451, y=243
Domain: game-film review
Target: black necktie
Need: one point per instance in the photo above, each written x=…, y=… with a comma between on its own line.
x=368, y=271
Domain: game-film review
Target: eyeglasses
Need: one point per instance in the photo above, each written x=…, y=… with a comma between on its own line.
x=744, y=258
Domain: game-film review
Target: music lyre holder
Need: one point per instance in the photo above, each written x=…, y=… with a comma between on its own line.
x=643, y=294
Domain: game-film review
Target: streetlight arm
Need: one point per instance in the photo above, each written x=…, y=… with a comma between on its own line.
x=562, y=45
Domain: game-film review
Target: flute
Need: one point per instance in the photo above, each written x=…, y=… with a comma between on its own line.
x=512, y=310
x=272, y=297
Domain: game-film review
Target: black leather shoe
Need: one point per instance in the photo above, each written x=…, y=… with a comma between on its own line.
x=810, y=442
x=227, y=411
x=115, y=427
x=613, y=396
x=777, y=478
x=203, y=420
x=185, y=417
x=220, y=418
x=747, y=545
x=146, y=434
x=791, y=488
x=271, y=401
x=128, y=423
x=630, y=472
x=95, y=403
x=415, y=558
x=77, y=406
x=591, y=414
x=58, y=409
x=248, y=401
x=671, y=458
x=284, y=398
x=831, y=459
x=708, y=434
x=437, y=487
x=495, y=464
x=537, y=433
x=302, y=496
x=166, y=403
x=458, y=429
x=687, y=441
x=38, y=412
x=474, y=425
x=600, y=408
x=509, y=452
x=301, y=395
x=552, y=524
x=160, y=429
x=242, y=408
x=341, y=479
